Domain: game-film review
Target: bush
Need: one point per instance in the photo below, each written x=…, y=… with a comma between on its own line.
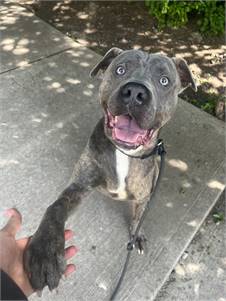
x=173, y=13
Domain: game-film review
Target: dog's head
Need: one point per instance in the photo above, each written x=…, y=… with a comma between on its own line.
x=139, y=93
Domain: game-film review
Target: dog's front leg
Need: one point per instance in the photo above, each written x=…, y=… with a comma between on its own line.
x=137, y=212
x=44, y=258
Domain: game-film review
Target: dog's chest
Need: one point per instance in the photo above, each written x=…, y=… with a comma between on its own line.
x=122, y=169
x=130, y=179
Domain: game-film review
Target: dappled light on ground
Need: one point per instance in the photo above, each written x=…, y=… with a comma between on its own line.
x=200, y=272
x=18, y=44
x=91, y=23
x=192, y=223
x=216, y=185
x=178, y=164
x=4, y=163
x=48, y=110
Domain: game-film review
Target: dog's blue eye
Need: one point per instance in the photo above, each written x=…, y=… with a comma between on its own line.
x=120, y=70
x=164, y=81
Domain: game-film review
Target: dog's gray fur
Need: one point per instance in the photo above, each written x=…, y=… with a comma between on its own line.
x=97, y=166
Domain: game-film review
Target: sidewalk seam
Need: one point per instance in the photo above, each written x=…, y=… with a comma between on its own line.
x=36, y=60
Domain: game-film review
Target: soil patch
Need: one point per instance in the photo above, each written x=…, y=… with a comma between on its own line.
x=101, y=25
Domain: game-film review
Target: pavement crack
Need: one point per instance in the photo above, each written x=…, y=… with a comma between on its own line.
x=37, y=60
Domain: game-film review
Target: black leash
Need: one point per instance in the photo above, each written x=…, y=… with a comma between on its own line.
x=159, y=150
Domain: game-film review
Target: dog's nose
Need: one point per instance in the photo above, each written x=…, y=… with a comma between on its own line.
x=135, y=92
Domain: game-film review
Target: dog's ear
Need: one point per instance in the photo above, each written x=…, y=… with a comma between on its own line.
x=106, y=60
x=185, y=74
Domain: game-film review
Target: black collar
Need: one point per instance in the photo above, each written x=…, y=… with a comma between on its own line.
x=157, y=150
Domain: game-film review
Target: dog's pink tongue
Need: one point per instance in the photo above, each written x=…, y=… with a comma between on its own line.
x=126, y=129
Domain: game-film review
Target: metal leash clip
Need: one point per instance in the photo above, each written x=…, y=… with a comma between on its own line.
x=130, y=245
x=160, y=147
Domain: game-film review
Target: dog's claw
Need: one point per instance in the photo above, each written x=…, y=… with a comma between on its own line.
x=140, y=244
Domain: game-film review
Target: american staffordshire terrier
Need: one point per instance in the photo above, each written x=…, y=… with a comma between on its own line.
x=138, y=95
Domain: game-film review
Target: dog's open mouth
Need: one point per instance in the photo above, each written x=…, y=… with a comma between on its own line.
x=126, y=131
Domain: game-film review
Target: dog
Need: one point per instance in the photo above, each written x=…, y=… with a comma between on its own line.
x=138, y=95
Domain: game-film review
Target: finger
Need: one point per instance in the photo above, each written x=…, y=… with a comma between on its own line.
x=14, y=223
x=68, y=234
x=70, y=252
x=69, y=269
x=22, y=242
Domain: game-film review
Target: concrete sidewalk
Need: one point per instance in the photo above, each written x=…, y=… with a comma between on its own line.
x=200, y=274
x=48, y=108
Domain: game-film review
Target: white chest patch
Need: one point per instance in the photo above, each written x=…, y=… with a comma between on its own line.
x=122, y=168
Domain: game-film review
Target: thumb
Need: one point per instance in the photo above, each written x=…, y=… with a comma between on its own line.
x=14, y=223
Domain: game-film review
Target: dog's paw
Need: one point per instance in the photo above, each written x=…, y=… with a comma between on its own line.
x=141, y=244
x=44, y=261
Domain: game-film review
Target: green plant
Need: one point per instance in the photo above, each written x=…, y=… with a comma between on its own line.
x=208, y=105
x=218, y=217
x=175, y=13
x=213, y=17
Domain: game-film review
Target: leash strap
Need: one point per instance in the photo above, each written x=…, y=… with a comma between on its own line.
x=160, y=150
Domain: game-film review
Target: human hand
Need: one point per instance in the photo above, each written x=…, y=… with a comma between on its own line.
x=12, y=251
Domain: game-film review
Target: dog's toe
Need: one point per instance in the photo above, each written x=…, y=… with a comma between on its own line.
x=44, y=262
x=140, y=244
